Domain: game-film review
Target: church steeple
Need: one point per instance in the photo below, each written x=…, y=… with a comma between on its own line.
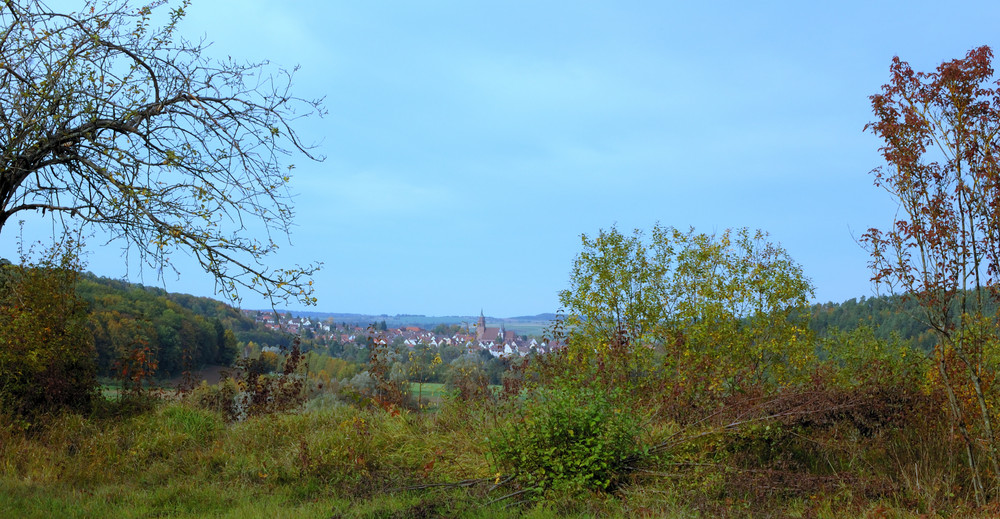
x=480, y=326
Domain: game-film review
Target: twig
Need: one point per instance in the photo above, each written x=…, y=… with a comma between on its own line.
x=501, y=483
x=508, y=496
x=457, y=484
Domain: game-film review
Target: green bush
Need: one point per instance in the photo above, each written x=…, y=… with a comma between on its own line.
x=859, y=357
x=566, y=440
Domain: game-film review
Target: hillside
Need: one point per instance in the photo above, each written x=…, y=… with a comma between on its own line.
x=886, y=315
x=182, y=331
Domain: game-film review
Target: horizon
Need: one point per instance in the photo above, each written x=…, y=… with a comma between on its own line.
x=316, y=311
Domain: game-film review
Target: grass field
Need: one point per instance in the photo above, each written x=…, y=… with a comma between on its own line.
x=111, y=390
x=430, y=394
x=179, y=461
x=433, y=393
x=334, y=460
x=555, y=447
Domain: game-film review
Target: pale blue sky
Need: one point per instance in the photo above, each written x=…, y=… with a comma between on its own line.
x=469, y=144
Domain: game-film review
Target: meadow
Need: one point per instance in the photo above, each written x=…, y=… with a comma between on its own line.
x=824, y=449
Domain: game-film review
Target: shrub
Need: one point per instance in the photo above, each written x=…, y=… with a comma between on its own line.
x=466, y=378
x=256, y=392
x=47, y=356
x=860, y=358
x=223, y=398
x=566, y=440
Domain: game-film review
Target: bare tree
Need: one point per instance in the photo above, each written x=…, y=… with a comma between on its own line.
x=109, y=119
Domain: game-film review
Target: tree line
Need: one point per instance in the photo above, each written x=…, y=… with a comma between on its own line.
x=181, y=331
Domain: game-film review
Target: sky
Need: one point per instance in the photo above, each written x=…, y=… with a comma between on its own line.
x=468, y=145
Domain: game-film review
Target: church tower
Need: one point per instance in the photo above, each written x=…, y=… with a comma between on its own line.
x=480, y=326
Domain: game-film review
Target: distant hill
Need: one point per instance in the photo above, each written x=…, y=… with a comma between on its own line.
x=524, y=325
x=885, y=314
x=534, y=318
x=185, y=331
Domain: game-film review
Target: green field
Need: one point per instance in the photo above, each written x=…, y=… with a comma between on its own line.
x=111, y=389
x=428, y=392
x=433, y=393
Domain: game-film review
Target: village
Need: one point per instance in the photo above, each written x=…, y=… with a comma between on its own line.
x=497, y=340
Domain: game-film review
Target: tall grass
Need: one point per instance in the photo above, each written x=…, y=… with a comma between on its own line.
x=177, y=459
x=332, y=459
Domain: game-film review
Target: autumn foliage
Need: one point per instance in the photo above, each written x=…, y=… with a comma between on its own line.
x=47, y=357
x=707, y=314
x=940, y=134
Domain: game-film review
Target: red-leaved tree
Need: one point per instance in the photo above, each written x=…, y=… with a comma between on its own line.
x=940, y=135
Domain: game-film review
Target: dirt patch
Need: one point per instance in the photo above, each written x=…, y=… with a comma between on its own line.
x=209, y=374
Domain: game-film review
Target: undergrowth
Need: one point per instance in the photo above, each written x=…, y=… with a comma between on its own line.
x=563, y=437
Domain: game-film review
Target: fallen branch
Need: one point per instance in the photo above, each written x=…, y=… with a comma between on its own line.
x=465, y=483
x=508, y=496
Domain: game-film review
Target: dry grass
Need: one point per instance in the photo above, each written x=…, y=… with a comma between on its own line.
x=336, y=460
